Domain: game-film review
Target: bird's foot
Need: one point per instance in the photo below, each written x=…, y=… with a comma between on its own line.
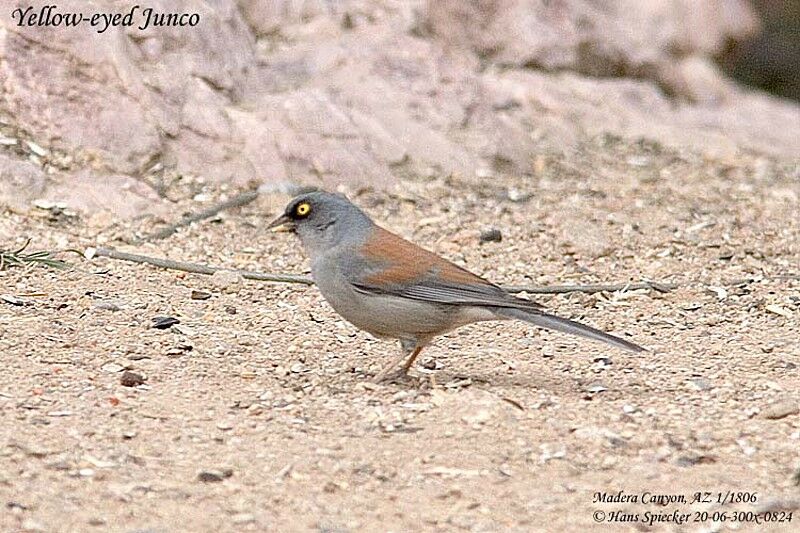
x=391, y=374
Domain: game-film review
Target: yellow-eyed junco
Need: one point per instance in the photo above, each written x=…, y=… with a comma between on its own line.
x=392, y=288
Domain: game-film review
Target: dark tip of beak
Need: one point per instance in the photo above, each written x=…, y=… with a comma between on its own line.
x=283, y=222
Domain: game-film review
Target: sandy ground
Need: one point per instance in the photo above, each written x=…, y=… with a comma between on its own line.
x=258, y=414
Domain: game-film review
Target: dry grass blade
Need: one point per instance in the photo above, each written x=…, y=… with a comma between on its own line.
x=17, y=258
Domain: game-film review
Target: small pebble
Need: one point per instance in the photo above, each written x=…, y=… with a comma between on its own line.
x=243, y=518
x=112, y=368
x=214, y=476
x=164, y=322
x=491, y=235
x=13, y=300
x=32, y=525
x=780, y=409
x=227, y=281
x=200, y=295
x=131, y=379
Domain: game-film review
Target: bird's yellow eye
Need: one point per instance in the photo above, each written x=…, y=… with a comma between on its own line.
x=303, y=209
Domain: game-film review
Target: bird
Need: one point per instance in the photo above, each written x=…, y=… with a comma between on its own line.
x=394, y=289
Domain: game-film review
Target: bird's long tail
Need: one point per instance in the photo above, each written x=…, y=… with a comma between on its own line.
x=544, y=320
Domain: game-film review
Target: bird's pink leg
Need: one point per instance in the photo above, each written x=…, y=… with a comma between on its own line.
x=411, y=359
x=386, y=372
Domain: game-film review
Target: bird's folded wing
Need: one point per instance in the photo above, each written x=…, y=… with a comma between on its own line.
x=389, y=264
x=435, y=291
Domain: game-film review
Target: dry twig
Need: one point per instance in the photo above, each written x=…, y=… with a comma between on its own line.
x=237, y=201
x=194, y=267
x=290, y=278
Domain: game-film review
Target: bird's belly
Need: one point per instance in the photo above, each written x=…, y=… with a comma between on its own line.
x=385, y=315
x=392, y=316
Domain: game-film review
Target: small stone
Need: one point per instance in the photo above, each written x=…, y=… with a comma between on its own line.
x=600, y=435
x=639, y=161
x=224, y=425
x=266, y=395
x=60, y=465
x=231, y=310
x=491, y=235
x=596, y=388
x=131, y=379
x=36, y=149
x=200, y=295
x=214, y=476
x=517, y=196
x=10, y=299
x=780, y=409
x=164, y=322
x=227, y=281
x=243, y=518
x=86, y=472
x=210, y=477
x=481, y=416
x=700, y=384
x=32, y=525
x=112, y=368
x=107, y=306
x=183, y=329
x=179, y=350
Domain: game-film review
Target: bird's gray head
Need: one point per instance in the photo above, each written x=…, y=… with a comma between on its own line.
x=323, y=220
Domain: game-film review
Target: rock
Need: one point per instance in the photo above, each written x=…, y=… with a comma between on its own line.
x=479, y=417
x=131, y=379
x=164, y=322
x=596, y=388
x=112, y=367
x=780, y=409
x=600, y=435
x=454, y=92
x=31, y=525
x=491, y=235
x=200, y=295
x=227, y=281
x=243, y=518
x=21, y=181
x=224, y=425
x=214, y=476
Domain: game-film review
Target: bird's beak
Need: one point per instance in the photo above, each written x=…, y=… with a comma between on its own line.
x=282, y=223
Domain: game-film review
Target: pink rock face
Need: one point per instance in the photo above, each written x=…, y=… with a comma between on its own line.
x=359, y=92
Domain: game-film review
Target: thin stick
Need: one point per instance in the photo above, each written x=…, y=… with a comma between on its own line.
x=198, y=269
x=237, y=201
x=305, y=280
x=593, y=288
x=289, y=278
